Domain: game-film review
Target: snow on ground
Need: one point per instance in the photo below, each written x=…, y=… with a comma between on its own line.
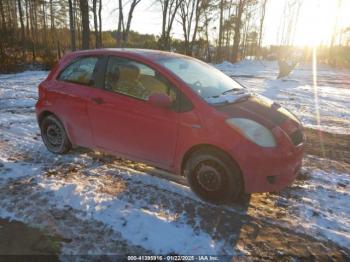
x=99, y=208
x=297, y=93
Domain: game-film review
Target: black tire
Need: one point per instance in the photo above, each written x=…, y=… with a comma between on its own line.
x=54, y=136
x=213, y=176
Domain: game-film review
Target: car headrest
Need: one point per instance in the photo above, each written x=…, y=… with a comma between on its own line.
x=129, y=72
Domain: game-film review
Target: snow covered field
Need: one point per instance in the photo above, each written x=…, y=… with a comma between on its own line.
x=97, y=206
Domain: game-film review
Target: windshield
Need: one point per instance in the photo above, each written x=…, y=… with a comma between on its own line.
x=205, y=80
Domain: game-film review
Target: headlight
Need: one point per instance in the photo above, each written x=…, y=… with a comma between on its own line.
x=254, y=131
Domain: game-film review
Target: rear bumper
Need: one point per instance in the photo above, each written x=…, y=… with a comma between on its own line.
x=270, y=169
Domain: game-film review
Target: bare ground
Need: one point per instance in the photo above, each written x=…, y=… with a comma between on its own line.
x=19, y=239
x=327, y=145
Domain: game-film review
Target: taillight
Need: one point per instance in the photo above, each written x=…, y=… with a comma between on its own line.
x=41, y=91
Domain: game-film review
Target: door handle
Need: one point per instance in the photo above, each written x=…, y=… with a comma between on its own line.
x=97, y=100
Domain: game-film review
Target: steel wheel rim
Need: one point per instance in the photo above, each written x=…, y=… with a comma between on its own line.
x=54, y=135
x=208, y=175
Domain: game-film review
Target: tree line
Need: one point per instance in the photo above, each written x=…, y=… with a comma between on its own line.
x=196, y=18
x=41, y=31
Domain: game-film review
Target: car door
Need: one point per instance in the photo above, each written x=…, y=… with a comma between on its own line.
x=122, y=119
x=72, y=88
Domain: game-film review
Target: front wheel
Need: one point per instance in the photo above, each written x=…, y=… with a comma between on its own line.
x=54, y=136
x=213, y=176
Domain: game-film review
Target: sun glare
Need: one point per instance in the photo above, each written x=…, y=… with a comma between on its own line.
x=316, y=23
x=316, y=99
x=318, y=19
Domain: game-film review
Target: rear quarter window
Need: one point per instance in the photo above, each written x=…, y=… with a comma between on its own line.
x=80, y=71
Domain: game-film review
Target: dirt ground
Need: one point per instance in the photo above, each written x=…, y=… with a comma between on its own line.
x=327, y=145
x=19, y=239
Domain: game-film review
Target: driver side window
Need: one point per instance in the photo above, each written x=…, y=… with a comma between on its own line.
x=135, y=79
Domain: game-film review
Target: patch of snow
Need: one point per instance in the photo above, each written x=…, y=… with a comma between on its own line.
x=323, y=207
x=136, y=224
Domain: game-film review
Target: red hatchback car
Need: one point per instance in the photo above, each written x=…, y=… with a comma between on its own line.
x=173, y=112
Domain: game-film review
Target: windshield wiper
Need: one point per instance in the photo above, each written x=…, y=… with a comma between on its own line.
x=232, y=100
x=231, y=90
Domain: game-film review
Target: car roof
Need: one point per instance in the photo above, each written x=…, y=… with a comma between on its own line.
x=145, y=53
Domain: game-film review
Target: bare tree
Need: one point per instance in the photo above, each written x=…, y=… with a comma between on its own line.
x=39, y=26
x=3, y=19
x=169, y=11
x=94, y=11
x=44, y=27
x=336, y=21
x=120, y=24
x=190, y=12
x=100, y=22
x=290, y=16
x=77, y=19
x=206, y=18
x=72, y=24
x=22, y=25
x=33, y=28
x=221, y=22
x=84, y=9
x=237, y=29
x=241, y=6
x=262, y=19
x=27, y=19
x=335, y=34
x=134, y=3
x=246, y=31
x=123, y=30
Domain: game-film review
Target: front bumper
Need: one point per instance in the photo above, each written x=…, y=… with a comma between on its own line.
x=271, y=169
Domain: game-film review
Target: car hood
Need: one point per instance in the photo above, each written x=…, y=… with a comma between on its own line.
x=259, y=109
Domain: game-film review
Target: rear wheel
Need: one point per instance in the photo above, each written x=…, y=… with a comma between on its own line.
x=213, y=176
x=54, y=136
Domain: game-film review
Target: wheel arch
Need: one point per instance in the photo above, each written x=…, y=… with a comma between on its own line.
x=44, y=114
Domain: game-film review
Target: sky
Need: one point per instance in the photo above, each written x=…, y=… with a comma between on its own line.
x=315, y=24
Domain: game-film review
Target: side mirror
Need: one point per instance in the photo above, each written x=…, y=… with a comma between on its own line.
x=160, y=100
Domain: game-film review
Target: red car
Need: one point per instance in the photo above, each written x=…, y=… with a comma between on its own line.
x=173, y=112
